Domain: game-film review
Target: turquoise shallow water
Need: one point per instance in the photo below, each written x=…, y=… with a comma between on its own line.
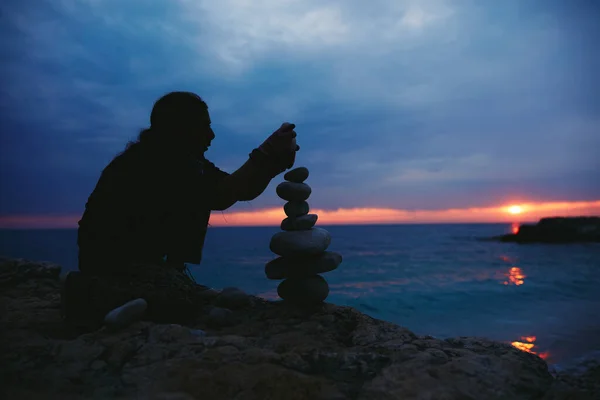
x=434, y=279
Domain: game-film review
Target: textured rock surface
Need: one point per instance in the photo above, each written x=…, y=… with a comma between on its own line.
x=580, y=381
x=270, y=351
x=309, y=290
x=218, y=316
x=300, y=243
x=281, y=268
x=296, y=209
x=300, y=223
x=297, y=175
x=291, y=191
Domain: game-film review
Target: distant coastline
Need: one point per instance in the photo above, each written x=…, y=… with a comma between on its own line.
x=582, y=229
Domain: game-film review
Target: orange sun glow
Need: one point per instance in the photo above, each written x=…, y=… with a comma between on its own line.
x=527, y=344
x=515, y=210
x=506, y=213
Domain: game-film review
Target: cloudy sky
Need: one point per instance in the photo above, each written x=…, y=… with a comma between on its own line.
x=400, y=105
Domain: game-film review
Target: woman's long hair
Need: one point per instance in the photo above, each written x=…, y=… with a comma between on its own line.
x=147, y=137
x=171, y=115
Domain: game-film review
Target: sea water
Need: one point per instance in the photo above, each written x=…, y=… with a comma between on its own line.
x=438, y=280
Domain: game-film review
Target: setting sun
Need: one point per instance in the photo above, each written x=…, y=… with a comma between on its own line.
x=515, y=210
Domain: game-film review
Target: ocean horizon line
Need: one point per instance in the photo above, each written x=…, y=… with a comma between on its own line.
x=428, y=223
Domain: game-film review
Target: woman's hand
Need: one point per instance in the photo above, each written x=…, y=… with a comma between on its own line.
x=281, y=146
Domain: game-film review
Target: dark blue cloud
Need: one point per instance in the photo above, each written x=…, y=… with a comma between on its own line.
x=409, y=104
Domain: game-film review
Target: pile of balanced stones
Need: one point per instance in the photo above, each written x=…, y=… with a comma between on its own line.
x=301, y=246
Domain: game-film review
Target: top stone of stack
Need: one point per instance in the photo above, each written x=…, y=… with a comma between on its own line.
x=297, y=175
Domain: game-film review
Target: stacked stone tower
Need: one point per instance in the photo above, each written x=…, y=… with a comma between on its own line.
x=301, y=246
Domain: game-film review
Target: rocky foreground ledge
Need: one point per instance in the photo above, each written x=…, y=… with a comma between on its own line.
x=265, y=350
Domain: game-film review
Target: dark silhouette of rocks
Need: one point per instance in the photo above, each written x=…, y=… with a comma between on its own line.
x=302, y=247
x=557, y=230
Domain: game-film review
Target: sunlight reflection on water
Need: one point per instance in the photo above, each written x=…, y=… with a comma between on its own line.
x=528, y=344
x=515, y=276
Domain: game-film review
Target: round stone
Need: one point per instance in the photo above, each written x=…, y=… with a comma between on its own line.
x=291, y=191
x=304, y=291
x=282, y=267
x=297, y=175
x=295, y=209
x=301, y=223
x=126, y=314
x=312, y=242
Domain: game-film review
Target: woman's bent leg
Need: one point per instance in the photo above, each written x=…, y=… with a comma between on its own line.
x=172, y=296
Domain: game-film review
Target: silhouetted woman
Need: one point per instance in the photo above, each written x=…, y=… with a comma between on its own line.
x=149, y=213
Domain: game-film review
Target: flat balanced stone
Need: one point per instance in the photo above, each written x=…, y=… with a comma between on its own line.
x=304, y=291
x=296, y=209
x=301, y=223
x=297, y=175
x=291, y=191
x=312, y=242
x=301, y=267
